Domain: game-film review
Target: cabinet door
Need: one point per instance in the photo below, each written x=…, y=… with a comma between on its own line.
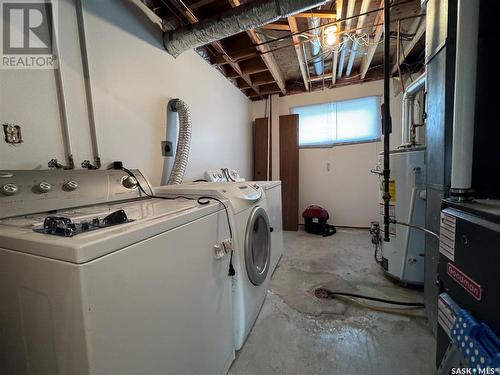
x=261, y=149
x=289, y=170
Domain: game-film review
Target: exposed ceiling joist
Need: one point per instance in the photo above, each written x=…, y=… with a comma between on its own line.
x=347, y=44
x=235, y=69
x=361, y=20
x=246, y=77
x=367, y=59
x=277, y=26
x=318, y=13
x=405, y=52
x=298, y=50
x=339, y=4
x=267, y=56
x=251, y=66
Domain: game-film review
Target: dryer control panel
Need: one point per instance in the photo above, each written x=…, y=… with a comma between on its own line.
x=25, y=192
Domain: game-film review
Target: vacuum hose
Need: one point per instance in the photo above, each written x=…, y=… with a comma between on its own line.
x=183, y=143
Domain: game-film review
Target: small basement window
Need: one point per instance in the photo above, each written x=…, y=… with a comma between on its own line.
x=342, y=122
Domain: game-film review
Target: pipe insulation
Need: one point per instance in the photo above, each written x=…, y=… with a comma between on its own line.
x=407, y=105
x=465, y=97
x=183, y=141
x=236, y=20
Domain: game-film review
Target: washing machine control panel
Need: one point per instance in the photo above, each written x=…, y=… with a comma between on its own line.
x=25, y=192
x=243, y=191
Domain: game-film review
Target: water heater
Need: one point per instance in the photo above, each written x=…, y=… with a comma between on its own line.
x=402, y=258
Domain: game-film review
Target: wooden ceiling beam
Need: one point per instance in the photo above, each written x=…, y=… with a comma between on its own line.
x=405, y=52
x=251, y=66
x=246, y=77
x=277, y=26
x=367, y=59
x=242, y=85
x=217, y=45
x=318, y=13
x=262, y=78
x=267, y=56
x=292, y=22
x=199, y=4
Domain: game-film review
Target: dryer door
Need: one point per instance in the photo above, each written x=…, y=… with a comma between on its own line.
x=257, y=246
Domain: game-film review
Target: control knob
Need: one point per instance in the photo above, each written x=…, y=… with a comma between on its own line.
x=44, y=187
x=9, y=189
x=70, y=185
x=129, y=182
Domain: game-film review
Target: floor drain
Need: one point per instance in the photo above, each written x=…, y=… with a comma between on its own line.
x=323, y=293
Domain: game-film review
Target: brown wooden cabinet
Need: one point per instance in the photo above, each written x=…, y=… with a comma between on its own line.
x=261, y=149
x=289, y=170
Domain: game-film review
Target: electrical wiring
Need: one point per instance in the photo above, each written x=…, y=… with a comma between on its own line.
x=203, y=200
x=327, y=293
x=393, y=221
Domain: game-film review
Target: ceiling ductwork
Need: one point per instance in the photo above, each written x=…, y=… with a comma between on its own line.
x=244, y=17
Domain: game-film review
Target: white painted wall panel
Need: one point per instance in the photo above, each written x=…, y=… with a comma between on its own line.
x=133, y=79
x=348, y=190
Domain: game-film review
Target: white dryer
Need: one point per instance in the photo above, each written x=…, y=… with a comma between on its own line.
x=272, y=190
x=251, y=245
x=96, y=278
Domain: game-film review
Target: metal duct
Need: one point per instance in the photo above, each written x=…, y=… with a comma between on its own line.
x=244, y=17
x=315, y=22
x=407, y=108
x=465, y=93
x=183, y=141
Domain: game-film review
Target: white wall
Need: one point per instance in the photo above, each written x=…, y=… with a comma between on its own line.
x=348, y=190
x=132, y=79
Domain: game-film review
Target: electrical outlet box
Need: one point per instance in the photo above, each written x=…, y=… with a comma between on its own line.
x=167, y=148
x=12, y=133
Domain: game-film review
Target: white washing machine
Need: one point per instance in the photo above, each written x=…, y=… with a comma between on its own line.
x=251, y=245
x=272, y=190
x=97, y=279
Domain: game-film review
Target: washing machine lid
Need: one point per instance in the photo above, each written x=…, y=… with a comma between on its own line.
x=148, y=217
x=240, y=195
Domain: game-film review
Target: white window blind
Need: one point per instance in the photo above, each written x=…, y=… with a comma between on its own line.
x=347, y=121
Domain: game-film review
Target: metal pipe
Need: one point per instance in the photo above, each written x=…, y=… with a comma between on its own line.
x=341, y=59
x=314, y=22
x=407, y=104
x=387, y=115
x=241, y=18
x=352, y=56
x=68, y=153
x=88, y=87
x=465, y=90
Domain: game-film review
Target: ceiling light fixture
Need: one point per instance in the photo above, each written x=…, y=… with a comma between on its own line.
x=330, y=35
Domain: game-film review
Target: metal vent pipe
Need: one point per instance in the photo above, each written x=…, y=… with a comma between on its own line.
x=465, y=98
x=407, y=108
x=183, y=135
x=236, y=20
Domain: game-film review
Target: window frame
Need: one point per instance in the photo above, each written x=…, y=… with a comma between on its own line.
x=344, y=143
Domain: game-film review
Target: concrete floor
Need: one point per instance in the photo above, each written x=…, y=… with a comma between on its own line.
x=296, y=333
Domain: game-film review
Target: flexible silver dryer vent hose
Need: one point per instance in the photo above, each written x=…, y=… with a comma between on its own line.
x=183, y=143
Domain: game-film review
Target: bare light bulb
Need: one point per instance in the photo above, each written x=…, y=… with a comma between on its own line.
x=331, y=38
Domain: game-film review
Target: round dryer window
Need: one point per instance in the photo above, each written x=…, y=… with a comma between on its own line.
x=257, y=246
